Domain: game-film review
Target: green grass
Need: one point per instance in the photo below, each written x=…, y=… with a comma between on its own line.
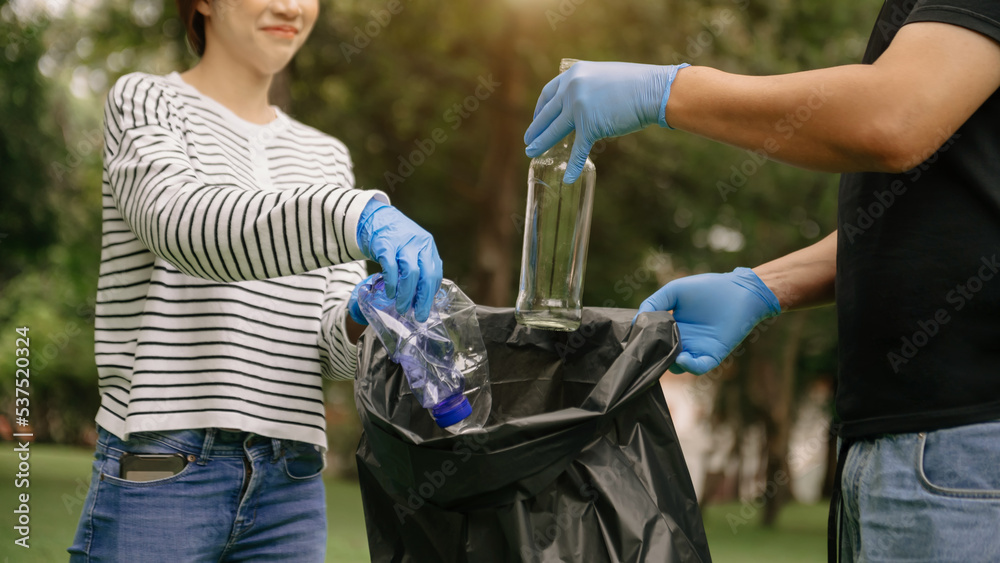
x=60, y=476
x=58, y=481
x=798, y=537
x=346, y=538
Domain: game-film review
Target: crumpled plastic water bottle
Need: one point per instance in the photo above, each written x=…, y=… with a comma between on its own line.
x=443, y=358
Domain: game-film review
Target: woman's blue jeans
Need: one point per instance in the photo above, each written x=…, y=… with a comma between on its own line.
x=241, y=497
x=924, y=497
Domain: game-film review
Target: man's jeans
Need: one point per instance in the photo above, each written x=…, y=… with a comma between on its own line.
x=932, y=496
x=241, y=497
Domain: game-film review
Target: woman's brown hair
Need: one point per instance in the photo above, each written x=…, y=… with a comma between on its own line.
x=194, y=23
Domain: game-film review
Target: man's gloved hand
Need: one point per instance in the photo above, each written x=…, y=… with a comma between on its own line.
x=714, y=313
x=353, y=308
x=598, y=100
x=408, y=256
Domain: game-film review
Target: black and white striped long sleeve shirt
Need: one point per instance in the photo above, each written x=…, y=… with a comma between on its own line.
x=229, y=252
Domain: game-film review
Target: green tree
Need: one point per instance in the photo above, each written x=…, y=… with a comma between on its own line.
x=432, y=100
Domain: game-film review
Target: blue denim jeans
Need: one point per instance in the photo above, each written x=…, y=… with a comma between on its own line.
x=241, y=497
x=931, y=496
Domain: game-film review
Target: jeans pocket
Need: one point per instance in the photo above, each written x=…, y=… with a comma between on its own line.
x=302, y=460
x=961, y=462
x=139, y=443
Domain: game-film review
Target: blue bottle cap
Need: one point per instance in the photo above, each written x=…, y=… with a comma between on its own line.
x=451, y=411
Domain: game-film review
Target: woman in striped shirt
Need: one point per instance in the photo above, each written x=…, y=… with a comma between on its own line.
x=232, y=239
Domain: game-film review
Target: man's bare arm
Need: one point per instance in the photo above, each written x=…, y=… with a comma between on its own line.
x=804, y=278
x=888, y=116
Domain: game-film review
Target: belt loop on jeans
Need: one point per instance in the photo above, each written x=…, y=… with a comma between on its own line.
x=275, y=449
x=206, y=445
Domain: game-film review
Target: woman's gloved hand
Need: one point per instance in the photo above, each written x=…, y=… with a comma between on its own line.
x=598, y=100
x=714, y=313
x=408, y=256
x=353, y=309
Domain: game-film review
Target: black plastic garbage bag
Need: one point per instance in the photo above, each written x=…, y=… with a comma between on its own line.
x=579, y=460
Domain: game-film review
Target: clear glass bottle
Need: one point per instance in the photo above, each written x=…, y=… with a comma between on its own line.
x=556, y=233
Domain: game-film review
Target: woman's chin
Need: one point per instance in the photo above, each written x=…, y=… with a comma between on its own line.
x=271, y=62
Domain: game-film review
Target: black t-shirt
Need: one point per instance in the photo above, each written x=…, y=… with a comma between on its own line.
x=918, y=266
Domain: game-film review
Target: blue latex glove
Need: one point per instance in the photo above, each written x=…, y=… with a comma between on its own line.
x=714, y=313
x=353, y=308
x=408, y=256
x=598, y=100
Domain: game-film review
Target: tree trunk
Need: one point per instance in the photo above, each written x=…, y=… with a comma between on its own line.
x=778, y=422
x=500, y=176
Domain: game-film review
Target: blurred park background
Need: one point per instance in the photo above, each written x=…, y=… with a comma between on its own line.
x=432, y=99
